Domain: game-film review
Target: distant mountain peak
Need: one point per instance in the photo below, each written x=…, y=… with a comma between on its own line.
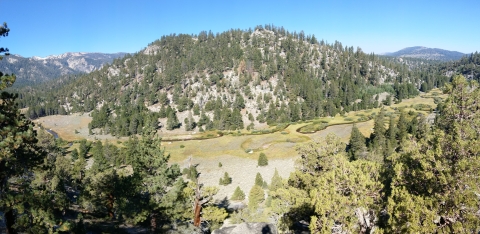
x=427, y=53
x=37, y=69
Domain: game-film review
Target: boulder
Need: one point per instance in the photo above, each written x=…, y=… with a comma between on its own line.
x=248, y=228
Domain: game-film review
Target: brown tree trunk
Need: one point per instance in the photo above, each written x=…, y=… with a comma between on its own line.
x=10, y=221
x=110, y=206
x=198, y=208
x=153, y=223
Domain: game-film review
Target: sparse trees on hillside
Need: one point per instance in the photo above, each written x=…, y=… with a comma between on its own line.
x=293, y=80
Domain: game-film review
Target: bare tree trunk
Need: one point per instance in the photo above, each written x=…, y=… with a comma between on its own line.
x=10, y=221
x=153, y=223
x=198, y=208
x=110, y=206
x=198, y=204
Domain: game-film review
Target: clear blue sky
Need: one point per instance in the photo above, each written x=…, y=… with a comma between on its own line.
x=46, y=27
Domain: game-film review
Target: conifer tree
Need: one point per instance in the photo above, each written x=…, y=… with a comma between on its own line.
x=19, y=155
x=402, y=126
x=356, y=146
x=259, y=180
x=433, y=177
x=157, y=183
x=423, y=127
x=84, y=148
x=413, y=126
x=74, y=154
x=277, y=181
x=378, y=141
x=391, y=136
x=334, y=192
x=262, y=160
x=226, y=180
x=255, y=197
x=172, y=121
x=238, y=194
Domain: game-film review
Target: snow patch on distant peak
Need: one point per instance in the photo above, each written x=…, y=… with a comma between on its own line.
x=60, y=56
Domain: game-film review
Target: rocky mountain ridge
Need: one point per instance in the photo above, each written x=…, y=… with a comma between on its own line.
x=36, y=69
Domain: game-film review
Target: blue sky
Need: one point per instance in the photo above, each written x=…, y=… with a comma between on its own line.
x=47, y=27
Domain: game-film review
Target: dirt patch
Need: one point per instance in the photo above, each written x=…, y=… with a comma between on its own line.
x=73, y=127
x=344, y=131
x=242, y=170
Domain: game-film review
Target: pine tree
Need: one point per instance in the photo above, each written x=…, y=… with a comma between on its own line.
x=74, y=154
x=433, y=178
x=391, y=136
x=158, y=184
x=238, y=194
x=83, y=148
x=262, y=160
x=259, y=180
x=378, y=141
x=356, y=146
x=332, y=191
x=255, y=197
x=19, y=156
x=413, y=126
x=226, y=180
x=172, y=121
x=402, y=126
x=277, y=181
x=423, y=127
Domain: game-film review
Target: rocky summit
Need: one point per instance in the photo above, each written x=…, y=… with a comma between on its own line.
x=38, y=69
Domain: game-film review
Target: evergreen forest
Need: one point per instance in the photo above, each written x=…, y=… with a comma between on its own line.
x=411, y=175
x=275, y=75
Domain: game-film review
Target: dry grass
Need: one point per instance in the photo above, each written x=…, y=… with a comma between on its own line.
x=230, y=150
x=277, y=145
x=65, y=125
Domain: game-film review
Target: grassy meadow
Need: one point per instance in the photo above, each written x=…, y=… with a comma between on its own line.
x=278, y=145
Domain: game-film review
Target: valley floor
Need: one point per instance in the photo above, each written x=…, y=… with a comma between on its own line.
x=237, y=154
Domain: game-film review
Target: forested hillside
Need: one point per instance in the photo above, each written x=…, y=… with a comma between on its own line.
x=428, y=53
x=408, y=176
x=229, y=80
x=237, y=79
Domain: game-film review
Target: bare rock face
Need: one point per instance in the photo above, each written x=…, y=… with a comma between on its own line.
x=248, y=228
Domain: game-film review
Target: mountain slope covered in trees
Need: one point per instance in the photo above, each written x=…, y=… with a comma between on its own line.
x=427, y=53
x=230, y=80
x=411, y=177
x=36, y=69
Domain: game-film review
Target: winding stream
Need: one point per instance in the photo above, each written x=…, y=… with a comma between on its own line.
x=54, y=134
